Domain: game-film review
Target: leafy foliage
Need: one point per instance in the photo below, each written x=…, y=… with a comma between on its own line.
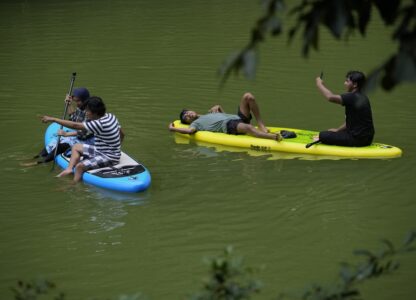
x=401, y=66
x=45, y=289
x=342, y=18
x=229, y=279
x=35, y=289
x=246, y=59
x=373, y=265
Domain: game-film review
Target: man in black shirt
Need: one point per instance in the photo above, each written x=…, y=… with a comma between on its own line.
x=358, y=129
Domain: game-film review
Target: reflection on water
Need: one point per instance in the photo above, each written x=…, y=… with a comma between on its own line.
x=126, y=198
x=208, y=149
x=107, y=209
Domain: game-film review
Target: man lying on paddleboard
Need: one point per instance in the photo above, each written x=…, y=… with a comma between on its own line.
x=218, y=121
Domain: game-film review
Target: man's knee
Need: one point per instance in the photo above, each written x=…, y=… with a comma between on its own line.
x=77, y=147
x=248, y=96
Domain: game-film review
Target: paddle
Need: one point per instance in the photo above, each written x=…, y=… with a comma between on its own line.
x=313, y=143
x=318, y=141
x=71, y=85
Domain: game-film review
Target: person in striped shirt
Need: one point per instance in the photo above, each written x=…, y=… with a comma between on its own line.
x=108, y=137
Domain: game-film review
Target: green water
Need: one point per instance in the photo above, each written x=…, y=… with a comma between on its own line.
x=148, y=60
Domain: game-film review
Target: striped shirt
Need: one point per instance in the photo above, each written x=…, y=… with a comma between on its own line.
x=107, y=135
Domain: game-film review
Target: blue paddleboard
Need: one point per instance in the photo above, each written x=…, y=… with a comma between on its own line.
x=127, y=176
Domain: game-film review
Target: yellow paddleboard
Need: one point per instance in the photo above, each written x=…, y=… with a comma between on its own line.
x=293, y=145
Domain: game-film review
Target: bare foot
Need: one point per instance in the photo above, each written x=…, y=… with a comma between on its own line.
x=263, y=128
x=315, y=138
x=64, y=173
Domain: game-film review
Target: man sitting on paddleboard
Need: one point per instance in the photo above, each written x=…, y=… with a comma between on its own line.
x=358, y=129
x=76, y=114
x=108, y=137
x=218, y=121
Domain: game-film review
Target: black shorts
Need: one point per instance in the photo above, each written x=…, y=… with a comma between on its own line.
x=232, y=124
x=343, y=138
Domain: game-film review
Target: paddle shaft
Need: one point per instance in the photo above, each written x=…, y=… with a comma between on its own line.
x=313, y=143
x=71, y=85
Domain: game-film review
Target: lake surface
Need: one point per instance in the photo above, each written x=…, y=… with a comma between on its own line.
x=149, y=59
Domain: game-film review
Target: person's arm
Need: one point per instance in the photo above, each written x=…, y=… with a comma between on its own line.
x=71, y=108
x=342, y=127
x=66, y=133
x=122, y=135
x=65, y=123
x=189, y=130
x=216, y=109
x=327, y=93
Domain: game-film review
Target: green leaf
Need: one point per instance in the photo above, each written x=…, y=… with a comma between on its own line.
x=394, y=266
x=366, y=271
x=388, y=9
x=348, y=294
x=338, y=18
x=347, y=274
x=373, y=80
x=389, y=246
x=274, y=25
x=249, y=63
x=291, y=34
x=229, y=250
x=410, y=238
x=405, y=68
x=364, y=14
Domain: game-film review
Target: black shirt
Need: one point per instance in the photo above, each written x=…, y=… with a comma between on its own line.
x=359, y=119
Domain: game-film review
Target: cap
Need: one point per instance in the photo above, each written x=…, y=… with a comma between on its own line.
x=81, y=93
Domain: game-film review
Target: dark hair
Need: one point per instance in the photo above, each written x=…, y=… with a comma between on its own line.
x=356, y=77
x=96, y=106
x=182, y=116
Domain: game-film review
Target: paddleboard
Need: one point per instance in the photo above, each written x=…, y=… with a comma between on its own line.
x=127, y=176
x=292, y=145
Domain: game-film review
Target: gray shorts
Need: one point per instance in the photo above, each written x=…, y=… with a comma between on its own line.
x=94, y=159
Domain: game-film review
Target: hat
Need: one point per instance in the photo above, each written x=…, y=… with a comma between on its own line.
x=81, y=93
